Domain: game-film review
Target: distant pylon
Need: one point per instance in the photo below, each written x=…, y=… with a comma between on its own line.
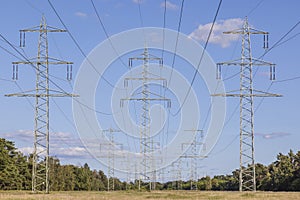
x=194, y=157
x=111, y=158
x=246, y=93
x=40, y=165
x=177, y=174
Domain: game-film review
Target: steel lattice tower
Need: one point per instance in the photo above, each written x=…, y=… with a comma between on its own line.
x=193, y=156
x=246, y=93
x=176, y=170
x=111, y=158
x=146, y=142
x=40, y=169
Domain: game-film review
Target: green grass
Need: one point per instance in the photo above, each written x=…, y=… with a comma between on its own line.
x=248, y=195
x=155, y=195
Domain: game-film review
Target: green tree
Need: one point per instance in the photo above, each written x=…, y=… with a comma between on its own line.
x=204, y=183
x=295, y=184
x=281, y=172
x=262, y=176
x=13, y=167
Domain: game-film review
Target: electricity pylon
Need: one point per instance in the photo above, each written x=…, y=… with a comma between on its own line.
x=111, y=157
x=177, y=174
x=40, y=165
x=193, y=156
x=146, y=142
x=128, y=171
x=246, y=94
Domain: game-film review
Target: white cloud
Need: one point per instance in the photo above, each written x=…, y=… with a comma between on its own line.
x=29, y=134
x=60, y=135
x=217, y=36
x=29, y=150
x=70, y=152
x=24, y=135
x=81, y=14
x=74, y=152
x=169, y=5
x=273, y=135
x=62, y=144
x=26, y=150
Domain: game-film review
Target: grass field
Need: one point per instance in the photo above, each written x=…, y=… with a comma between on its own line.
x=132, y=195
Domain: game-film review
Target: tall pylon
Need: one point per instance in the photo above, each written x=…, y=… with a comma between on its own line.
x=146, y=142
x=246, y=93
x=42, y=92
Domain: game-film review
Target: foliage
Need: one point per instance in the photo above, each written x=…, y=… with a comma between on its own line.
x=281, y=175
x=15, y=174
x=14, y=168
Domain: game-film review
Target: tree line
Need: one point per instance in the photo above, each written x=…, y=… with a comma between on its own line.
x=16, y=168
x=281, y=175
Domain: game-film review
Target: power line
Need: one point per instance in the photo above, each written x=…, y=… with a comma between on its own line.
x=33, y=7
x=82, y=52
x=162, y=56
x=278, y=43
x=119, y=57
x=106, y=33
x=292, y=37
x=288, y=79
x=140, y=13
x=279, y=81
x=225, y=124
x=280, y=40
x=174, y=54
x=141, y=21
x=254, y=8
x=164, y=26
x=177, y=37
x=201, y=58
x=100, y=20
x=78, y=46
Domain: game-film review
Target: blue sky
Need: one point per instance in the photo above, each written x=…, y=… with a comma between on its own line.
x=276, y=119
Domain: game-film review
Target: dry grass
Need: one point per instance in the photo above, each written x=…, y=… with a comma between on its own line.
x=156, y=195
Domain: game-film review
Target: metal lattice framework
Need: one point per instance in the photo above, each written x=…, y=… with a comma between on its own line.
x=111, y=156
x=176, y=169
x=40, y=155
x=193, y=156
x=246, y=93
x=146, y=96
